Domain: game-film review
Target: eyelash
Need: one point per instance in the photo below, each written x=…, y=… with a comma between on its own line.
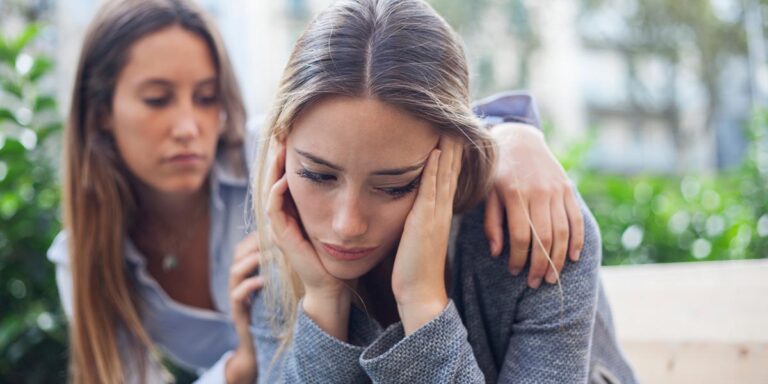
x=394, y=192
x=157, y=102
x=160, y=102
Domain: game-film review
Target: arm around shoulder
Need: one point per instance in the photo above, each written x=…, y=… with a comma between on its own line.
x=552, y=328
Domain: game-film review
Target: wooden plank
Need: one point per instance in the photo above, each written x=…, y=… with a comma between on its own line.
x=699, y=362
x=712, y=301
x=693, y=322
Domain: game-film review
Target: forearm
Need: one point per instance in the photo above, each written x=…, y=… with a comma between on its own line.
x=552, y=330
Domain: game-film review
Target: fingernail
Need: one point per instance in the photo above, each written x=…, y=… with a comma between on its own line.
x=535, y=283
x=577, y=255
x=551, y=277
x=493, y=248
x=514, y=271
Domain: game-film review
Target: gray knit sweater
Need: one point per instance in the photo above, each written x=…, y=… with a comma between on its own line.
x=495, y=329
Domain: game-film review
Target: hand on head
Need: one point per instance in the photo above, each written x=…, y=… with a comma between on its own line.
x=418, y=277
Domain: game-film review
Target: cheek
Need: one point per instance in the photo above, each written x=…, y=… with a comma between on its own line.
x=134, y=125
x=310, y=203
x=211, y=122
x=134, y=136
x=391, y=218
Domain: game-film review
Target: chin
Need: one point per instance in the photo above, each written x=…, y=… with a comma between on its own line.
x=185, y=186
x=346, y=270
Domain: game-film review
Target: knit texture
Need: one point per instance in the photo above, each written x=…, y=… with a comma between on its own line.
x=494, y=330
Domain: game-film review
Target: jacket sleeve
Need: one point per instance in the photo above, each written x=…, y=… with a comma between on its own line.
x=505, y=107
x=58, y=254
x=551, y=336
x=438, y=352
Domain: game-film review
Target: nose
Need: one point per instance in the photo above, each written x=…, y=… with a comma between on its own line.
x=349, y=220
x=185, y=126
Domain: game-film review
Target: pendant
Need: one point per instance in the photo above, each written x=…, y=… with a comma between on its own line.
x=170, y=262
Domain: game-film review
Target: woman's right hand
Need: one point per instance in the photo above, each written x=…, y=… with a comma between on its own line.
x=288, y=236
x=326, y=299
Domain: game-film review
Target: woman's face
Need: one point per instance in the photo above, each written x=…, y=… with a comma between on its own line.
x=165, y=111
x=353, y=167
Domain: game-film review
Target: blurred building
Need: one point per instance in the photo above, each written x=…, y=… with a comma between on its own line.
x=643, y=111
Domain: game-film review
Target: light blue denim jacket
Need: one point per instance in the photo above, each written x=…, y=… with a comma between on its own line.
x=202, y=340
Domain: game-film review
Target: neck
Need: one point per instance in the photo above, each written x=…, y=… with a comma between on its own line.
x=375, y=289
x=173, y=209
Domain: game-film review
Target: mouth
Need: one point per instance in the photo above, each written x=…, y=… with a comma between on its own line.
x=347, y=254
x=185, y=159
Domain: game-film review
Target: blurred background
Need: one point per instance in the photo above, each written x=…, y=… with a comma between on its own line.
x=657, y=109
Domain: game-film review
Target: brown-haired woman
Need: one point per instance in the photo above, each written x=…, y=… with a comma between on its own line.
x=155, y=186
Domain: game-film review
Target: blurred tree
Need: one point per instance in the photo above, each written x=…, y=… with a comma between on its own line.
x=468, y=18
x=696, y=217
x=32, y=325
x=712, y=33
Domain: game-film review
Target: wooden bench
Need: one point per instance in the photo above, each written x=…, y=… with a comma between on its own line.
x=693, y=322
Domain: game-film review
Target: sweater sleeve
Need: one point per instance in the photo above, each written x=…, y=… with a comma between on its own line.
x=551, y=336
x=316, y=356
x=438, y=352
x=510, y=106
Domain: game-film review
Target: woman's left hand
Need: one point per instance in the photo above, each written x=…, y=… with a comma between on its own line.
x=243, y=283
x=532, y=189
x=418, y=275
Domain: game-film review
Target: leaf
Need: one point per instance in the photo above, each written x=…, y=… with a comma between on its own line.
x=40, y=67
x=43, y=103
x=12, y=148
x=46, y=130
x=12, y=327
x=29, y=34
x=6, y=55
x=6, y=115
x=13, y=88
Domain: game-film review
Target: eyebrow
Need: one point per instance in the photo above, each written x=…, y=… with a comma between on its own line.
x=164, y=82
x=383, y=172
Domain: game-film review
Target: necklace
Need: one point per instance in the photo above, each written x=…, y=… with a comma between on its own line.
x=171, y=255
x=167, y=239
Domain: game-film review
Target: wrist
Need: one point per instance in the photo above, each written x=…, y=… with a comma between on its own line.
x=419, y=306
x=241, y=367
x=415, y=313
x=329, y=310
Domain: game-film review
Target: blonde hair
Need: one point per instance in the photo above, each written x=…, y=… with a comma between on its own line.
x=400, y=52
x=99, y=201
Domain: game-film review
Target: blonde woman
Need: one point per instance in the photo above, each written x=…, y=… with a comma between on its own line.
x=155, y=186
x=373, y=150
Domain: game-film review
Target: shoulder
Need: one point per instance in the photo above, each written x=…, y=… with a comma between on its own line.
x=472, y=246
x=58, y=252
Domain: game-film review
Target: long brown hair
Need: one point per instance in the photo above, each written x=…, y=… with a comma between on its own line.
x=400, y=52
x=99, y=201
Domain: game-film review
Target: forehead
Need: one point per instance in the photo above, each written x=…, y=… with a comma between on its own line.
x=362, y=133
x=171, y=53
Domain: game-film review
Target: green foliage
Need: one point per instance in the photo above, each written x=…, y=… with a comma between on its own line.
x=659, y=219
x=32, y=326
